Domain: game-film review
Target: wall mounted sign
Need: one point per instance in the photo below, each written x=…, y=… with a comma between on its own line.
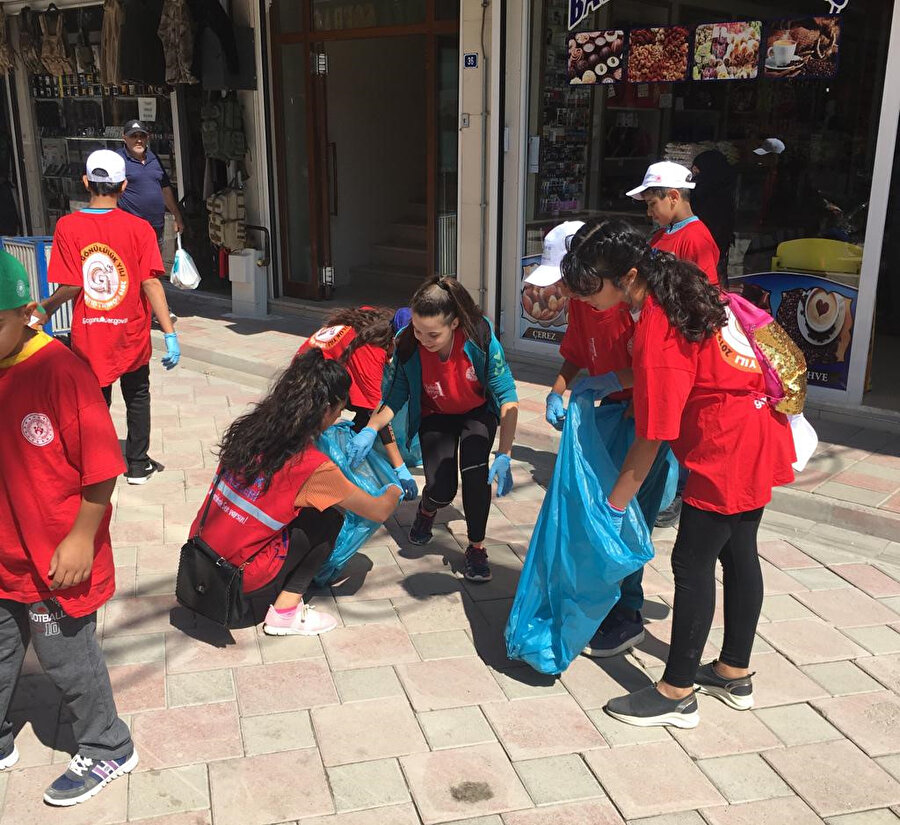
x=579, y=9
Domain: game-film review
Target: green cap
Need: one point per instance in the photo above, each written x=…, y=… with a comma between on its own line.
x=14, y=290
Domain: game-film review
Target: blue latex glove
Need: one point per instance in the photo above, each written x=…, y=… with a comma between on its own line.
x=407, y=482
x=603, y=385
x=501, y=472
x=616, y=516
x=360, y=446
x=173, y=351
x=556, y=411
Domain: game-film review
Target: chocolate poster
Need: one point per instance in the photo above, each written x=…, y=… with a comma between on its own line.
x=596, y=57
x=817, y=313
x=543, y=311
x=727, y=51
x=807, y=47
x=658, y=55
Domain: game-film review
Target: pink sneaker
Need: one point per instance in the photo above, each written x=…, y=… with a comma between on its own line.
x=306, y=621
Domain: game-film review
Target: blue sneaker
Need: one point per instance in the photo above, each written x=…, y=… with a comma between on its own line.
x=85, y=778
x=420, y=532
x=618, y=633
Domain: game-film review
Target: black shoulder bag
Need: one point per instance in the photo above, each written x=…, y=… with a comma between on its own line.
x=209, y=584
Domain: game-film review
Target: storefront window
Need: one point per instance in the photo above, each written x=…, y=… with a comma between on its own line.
x=786, y=98
x=330, y=15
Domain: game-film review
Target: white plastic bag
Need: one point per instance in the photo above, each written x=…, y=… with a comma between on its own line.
x=184, y=273
x=805, y=440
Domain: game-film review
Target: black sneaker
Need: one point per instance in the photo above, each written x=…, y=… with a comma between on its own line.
x=141, y=475
x=477, y=568
x=648, y=707
x=669, y=517
x=736, y=693
x=420, y=532
x=85, y=778
x=618, y=633
x=9, y=759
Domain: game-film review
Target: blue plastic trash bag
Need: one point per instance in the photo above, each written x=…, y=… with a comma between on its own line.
x=412, y=455
x=374, y=475
x=575, y=561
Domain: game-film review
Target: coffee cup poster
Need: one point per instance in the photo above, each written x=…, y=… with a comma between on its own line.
x=543, y=311
x=817, y=313
x=807, y=47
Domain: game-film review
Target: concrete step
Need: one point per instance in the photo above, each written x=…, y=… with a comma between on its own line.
x=399, y=255
x=408, y=233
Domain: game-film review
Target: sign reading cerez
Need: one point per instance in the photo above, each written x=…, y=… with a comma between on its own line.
x=579, y=9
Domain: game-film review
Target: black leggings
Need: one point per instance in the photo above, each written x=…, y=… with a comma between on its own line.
x=361, y=418
x=454, y=446
x=703, y=537
x=312, y=538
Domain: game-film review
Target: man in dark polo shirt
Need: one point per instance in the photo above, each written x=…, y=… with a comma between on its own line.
x=149, y=192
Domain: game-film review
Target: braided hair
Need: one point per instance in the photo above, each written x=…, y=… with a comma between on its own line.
x=372, y=325
x=282, y=425
x=608, y=250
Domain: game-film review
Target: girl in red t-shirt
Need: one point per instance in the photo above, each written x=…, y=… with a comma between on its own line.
x=274, y=498
x=696, y=385
x=362, y=339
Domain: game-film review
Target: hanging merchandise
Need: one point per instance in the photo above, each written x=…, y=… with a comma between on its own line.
x=141, y=58
x=84, y=54
x=227, y=218
x=29, y=42
x=6, y=60
x=54, y=49
x=576, y=559
x=113, y=15
x=176, y=31
x=222, y=128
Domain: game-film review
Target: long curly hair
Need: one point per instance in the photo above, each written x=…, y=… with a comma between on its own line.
x=371, y=324
x=446, y=297
x=259, y=443
x=607, y=250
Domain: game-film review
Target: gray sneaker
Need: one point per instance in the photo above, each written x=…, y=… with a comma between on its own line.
x=85, y=778
x=736, y=693
x=648, y=707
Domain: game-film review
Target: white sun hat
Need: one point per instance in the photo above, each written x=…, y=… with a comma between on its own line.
x=667, y=175
x=770, y=146
x=556, y=244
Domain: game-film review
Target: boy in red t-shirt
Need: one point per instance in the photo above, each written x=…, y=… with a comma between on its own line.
x=59, y=458
x=108, y=262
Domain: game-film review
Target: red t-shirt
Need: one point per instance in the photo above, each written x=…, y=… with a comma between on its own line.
x=692, y=242
x=708, y=400
x=245, y=520
x=365, y=365
x=599, y=341
x=450, y=387
x=56, y=438
x=108, y=254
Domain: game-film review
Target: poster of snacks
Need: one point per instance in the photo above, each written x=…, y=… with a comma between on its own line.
x=658, y=55
x=543, y=311
x=727, y=51
x=817, y=313
x=807, y=47
x=596, y=57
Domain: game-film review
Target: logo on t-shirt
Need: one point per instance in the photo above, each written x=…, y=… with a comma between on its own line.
x=328, y=337
x=105, y=277
x=471, y=375
x=434, y=390
x=734, y=347
x=37, y=429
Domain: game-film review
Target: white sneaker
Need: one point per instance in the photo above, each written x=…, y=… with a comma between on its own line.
x=306, y=621
x=10, y=759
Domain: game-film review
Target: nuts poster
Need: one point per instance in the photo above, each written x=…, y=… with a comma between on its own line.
x=544, y=311
x=808, y=47
x=727, y=51
x=658, y=55
x=596, y=57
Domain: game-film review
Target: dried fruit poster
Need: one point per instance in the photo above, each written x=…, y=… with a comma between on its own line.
x=544, y=311
x=803, y=48
x=596, y=57
x=658, y=55
x=727, y=51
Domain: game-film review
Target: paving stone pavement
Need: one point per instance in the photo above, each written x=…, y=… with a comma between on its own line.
x=410, y=713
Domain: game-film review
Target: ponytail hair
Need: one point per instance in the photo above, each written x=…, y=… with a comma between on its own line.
x=607, y=250
x=446, y=297
x=259, y=443
x=372, y=325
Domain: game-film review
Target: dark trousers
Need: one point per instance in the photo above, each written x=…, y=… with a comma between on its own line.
x=454, y=446
x=703, y=538
x=70, y=655
x=312, y=538
x=136, y=392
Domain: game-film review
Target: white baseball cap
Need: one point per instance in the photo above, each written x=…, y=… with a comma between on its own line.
x=105, y=166
x=770, y=146
x=665, y=174
x=556, y=244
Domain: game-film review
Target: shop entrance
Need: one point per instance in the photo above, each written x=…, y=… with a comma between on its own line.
x=367, y=132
